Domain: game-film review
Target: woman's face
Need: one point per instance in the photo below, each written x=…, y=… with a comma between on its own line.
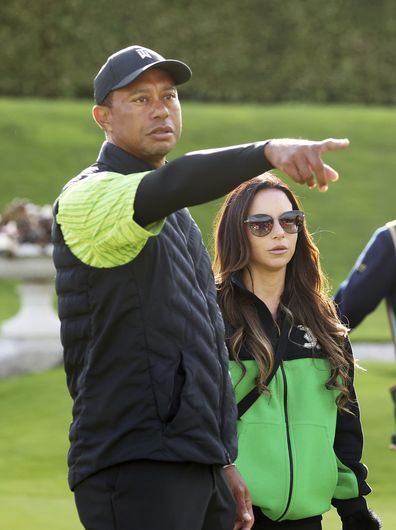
x=273, y=251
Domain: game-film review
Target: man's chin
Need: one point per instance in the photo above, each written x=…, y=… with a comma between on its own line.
x=163, y=148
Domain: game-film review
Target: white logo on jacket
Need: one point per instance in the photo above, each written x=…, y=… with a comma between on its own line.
x=311, y=341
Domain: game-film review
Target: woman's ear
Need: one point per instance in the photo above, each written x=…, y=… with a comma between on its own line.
x=101, y=115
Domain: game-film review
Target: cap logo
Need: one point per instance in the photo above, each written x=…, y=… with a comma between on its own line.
x=143, y=53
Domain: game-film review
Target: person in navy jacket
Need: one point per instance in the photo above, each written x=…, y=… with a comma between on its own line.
x=372, y=279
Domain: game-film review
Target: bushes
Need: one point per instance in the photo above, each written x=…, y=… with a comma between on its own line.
x=255, y=50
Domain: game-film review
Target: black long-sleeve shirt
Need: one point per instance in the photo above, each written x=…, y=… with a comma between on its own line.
x=196, y=178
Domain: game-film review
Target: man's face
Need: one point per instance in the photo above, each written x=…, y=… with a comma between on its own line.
x=145, y=117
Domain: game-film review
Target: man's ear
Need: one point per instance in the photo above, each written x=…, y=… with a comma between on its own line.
x=101, y=115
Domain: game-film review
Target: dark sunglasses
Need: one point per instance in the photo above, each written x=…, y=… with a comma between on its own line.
x=261, y=224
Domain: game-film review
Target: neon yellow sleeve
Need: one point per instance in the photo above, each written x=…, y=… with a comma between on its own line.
x=96, y=219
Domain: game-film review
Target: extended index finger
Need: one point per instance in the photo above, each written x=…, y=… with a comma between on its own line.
x=333, y=144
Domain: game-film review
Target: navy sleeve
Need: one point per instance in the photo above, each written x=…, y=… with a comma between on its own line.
x=196, y=178
x=372, y=278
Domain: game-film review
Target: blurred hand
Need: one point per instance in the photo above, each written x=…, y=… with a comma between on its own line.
x=367, y=520
x=301, y=159
x=244, y=518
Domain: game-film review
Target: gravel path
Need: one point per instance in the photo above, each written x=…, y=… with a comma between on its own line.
x=374, y=351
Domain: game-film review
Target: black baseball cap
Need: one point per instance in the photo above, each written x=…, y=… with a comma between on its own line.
x=126, y=65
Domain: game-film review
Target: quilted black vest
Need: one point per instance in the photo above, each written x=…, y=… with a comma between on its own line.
x=144, y=354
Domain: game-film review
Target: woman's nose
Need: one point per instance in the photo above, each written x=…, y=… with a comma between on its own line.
x=277, y=230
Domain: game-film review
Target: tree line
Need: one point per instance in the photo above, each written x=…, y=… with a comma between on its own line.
x=239, y=50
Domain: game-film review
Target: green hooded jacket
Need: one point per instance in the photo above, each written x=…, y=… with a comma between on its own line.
x=297, y=453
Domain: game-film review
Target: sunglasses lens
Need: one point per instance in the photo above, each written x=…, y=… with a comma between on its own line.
x=261, y=228
x=292, y=222
x=261, y=225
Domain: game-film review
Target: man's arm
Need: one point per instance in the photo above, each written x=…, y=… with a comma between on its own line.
x=196, y=178
x=202, y=176
x=107, y=218
x=98, y=215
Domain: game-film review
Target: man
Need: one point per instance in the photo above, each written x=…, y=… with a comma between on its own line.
x=372, y=279
x=154, y=414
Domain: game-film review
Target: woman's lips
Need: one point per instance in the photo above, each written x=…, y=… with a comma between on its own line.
x=278, y=250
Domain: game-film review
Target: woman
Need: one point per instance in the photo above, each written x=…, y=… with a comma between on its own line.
x=300, y=439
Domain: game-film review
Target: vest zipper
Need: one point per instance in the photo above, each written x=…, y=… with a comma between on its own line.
x=221, y=411
x=288, y=441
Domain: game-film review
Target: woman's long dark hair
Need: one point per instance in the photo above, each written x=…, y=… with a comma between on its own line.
x=305, y=290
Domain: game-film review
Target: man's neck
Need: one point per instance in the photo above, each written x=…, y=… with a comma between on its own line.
x=121, y=161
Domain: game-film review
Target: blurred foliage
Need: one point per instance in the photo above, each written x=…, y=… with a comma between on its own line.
x=256, y=50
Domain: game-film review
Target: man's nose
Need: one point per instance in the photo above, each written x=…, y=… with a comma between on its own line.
x=160, y=109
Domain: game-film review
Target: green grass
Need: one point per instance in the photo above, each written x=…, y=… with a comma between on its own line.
x=9, y=304
x=33, y=444
x=35, y=413
x=44, y=143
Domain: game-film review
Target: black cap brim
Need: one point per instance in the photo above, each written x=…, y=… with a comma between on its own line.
x=180, y=72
